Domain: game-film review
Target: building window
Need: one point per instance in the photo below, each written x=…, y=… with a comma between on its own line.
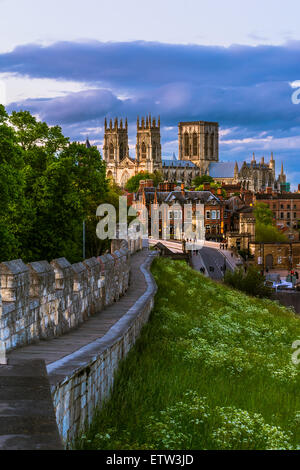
x=111, y=152
x=295, y=215
x=195, y=144
x=288, y=206
x=281, y=206
x=186, y=144
x=144, y=151
x=213, y=214
x=206, y=145
x=281, y=215
x=121, y=151
x=288, y=215
x=208, y=214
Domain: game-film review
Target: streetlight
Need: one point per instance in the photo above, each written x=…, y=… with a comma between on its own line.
x=83, y=239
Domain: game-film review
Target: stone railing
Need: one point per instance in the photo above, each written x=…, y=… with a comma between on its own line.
x=82, y=381
x=41, y=299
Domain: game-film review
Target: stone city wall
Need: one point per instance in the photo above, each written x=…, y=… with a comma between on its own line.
x=92, y=369
x=41, y=299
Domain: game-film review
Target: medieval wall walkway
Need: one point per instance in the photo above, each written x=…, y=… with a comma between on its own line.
x=96, y=327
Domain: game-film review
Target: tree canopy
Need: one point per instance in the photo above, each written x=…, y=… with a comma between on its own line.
x=265, y=230
x=133, y=183
x=198, y=180
x=48, y=187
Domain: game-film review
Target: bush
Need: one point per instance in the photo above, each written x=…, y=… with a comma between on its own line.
x=251, y=282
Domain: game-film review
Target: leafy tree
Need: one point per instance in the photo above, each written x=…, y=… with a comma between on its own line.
x=48, y=187
x=265, y=230
x=133, y=183
x=263, y=214
x=268, y=233
x=15, y=210
x=251, y=282
x=213, y=186
x=198, y=180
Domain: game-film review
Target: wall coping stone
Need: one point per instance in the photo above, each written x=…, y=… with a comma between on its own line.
x=60, y=371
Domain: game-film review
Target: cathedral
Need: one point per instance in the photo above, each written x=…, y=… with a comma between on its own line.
x=198, y=154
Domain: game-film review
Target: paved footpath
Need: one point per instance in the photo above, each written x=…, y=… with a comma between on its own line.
x=95, y=327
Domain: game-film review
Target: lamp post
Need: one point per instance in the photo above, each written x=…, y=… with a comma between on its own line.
x=83, y=239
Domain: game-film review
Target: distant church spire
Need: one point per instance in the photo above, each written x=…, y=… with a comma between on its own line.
x=236, y=170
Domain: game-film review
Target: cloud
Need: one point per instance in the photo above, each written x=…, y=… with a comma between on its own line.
x=246, y=89
x=133, y=63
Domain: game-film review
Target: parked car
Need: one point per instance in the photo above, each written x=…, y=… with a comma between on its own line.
x=274, y=282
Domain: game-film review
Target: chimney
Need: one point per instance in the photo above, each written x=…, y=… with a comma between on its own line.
x=182, y=189
x=219, y=193
x=142, y=185
x=206, y=186
x=269, y=190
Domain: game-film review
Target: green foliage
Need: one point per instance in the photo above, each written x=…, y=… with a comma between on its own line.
x=212, y=369
x=133, y=183
x=263, y=214
x=265, y=230
x=268, y=233
x=213, y=186
x=251, y=281
x=48, y=187
x=198, y=180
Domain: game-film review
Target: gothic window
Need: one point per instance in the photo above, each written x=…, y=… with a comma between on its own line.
x=186, y=144
x=111, y=152
x=154, y=152
x=212, y=145
x=121, y=151
x=206, y=145
x=144, y=151
x=195, y=144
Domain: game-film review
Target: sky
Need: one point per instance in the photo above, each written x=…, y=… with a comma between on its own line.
x=236, y=62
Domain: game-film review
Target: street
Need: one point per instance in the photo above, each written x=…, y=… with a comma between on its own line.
x=209, y=256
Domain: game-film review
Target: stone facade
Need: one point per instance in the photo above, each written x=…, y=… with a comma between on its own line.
x=89, y=384
x=276, y=255
x=42, y=300
x=120, y=166
x=199, y=142
x=198, y=150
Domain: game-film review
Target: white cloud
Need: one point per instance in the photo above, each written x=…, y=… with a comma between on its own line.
x=20, y=88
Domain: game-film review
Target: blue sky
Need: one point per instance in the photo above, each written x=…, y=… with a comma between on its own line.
x=73, y=63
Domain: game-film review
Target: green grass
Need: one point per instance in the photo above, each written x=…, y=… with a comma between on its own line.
x=211, y=370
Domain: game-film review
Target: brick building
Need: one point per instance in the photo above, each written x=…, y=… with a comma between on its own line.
x=285, y=207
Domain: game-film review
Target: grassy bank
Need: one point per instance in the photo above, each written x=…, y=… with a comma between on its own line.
x=211, y=370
